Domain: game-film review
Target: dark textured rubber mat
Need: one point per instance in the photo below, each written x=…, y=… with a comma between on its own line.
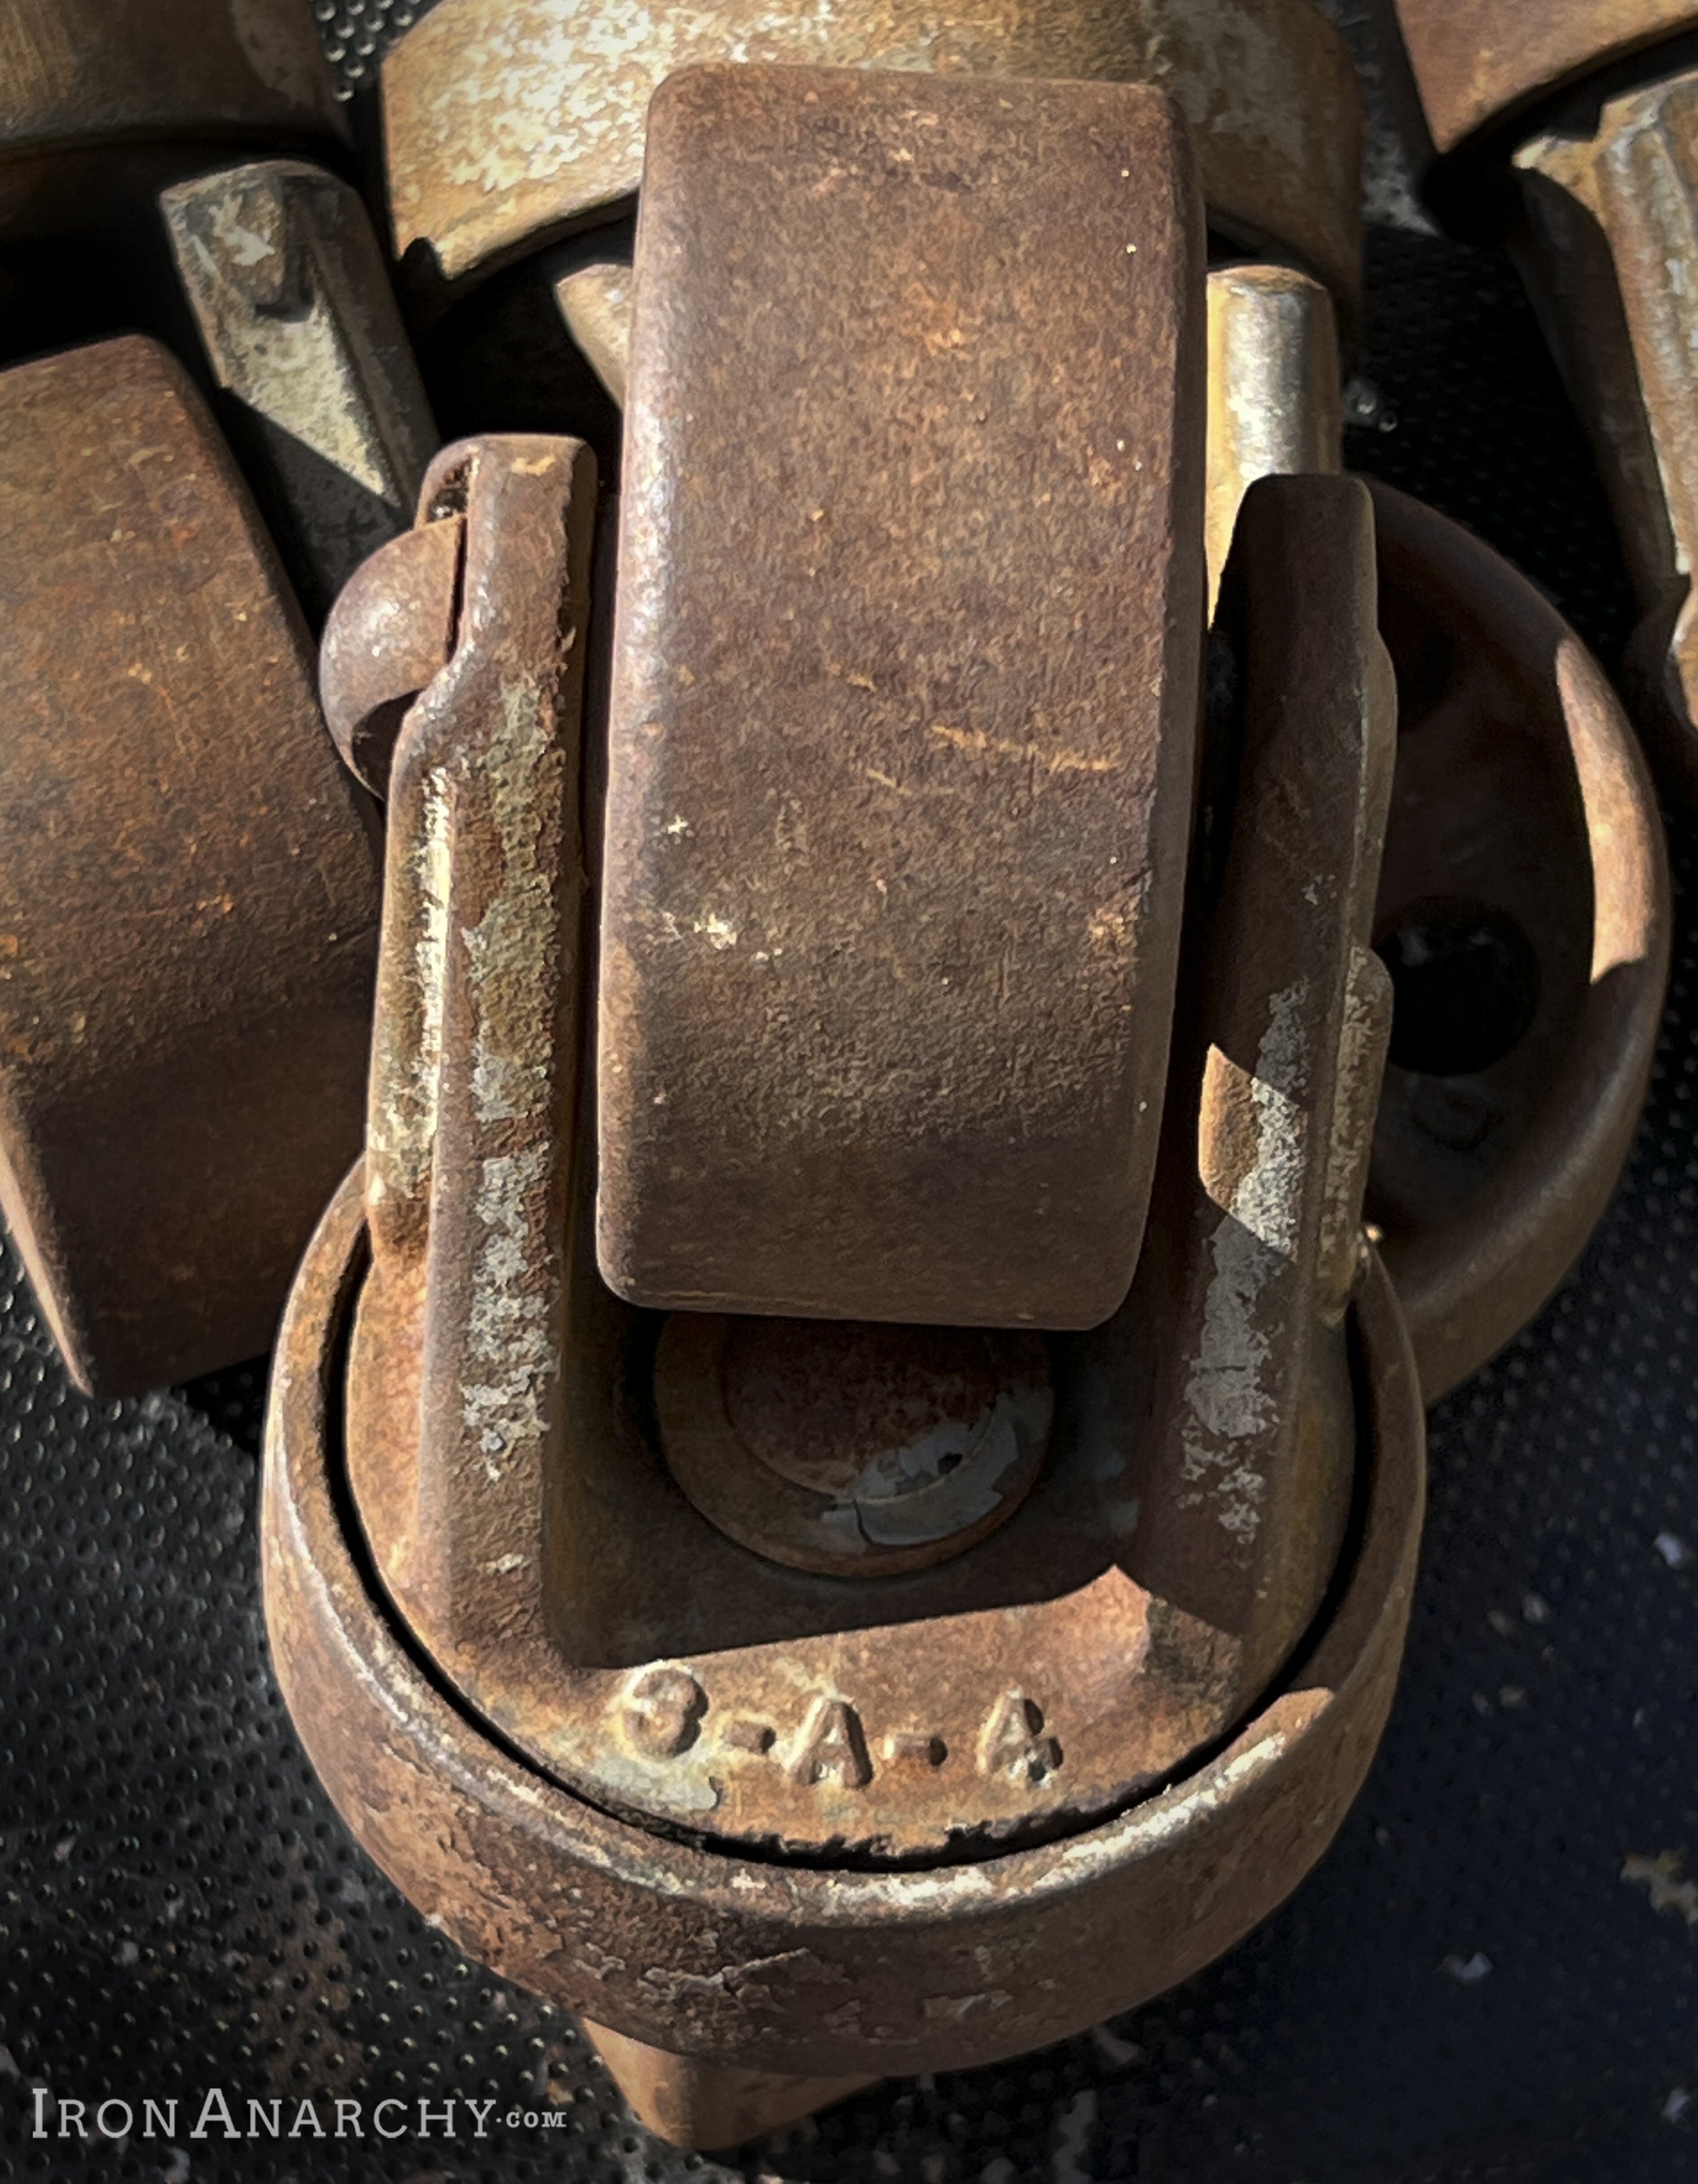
x=1491, y=1976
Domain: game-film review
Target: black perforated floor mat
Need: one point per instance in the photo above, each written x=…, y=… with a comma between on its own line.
x=1491, y=1975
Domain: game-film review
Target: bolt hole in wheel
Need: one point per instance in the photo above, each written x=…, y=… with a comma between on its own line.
x=1465, y=982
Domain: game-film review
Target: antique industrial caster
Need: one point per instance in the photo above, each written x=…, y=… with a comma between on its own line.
x=1578, y=135
x=842, y=1483
x=1524, y=908
x=1522, y=854
x=188, y=879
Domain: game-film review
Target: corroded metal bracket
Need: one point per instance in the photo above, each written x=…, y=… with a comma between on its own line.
x=473, y=1080
x=1593, y=111
x=320, y=394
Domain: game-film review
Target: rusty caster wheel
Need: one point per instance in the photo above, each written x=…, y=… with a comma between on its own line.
x=858, y=1513
x=188, y=879
x=842, y=1485
x=188, y=882
x=1524, y=907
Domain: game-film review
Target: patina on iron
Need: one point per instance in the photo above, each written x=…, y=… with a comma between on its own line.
x=904, y=693
x=188, y=897
x=777, y=1828
x=508, y=125
x=1590, y=112
x=321, y=394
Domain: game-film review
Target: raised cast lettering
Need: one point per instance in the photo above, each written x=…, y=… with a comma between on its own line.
x=1011, y=1741
x=832, y=1747
x=661, y=1710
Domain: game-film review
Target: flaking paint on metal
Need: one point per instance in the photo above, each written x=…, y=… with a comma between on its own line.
x=502, y=122
x=1226, y=1400
x=400, y=1131
x=514, y=1038
x=507, y=1333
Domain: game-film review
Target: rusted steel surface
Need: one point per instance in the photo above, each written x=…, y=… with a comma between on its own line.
x=594, y=301
x=322, y=398
x=1524, y=912
x=1478, y=63
x=694, y=2102
x=1274, y=406
x=1255, y=1252
x=1613, y=269
x=77, y=72
x=632, y=1648
x=935, y=552
x=1096, y=1716
x=188, y=887
x=788, y=1968
x=527, y=1527
x=473, y=1071
x=1274, y=398
x=1523, y=843
x=391, y=632
x=508, y=124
